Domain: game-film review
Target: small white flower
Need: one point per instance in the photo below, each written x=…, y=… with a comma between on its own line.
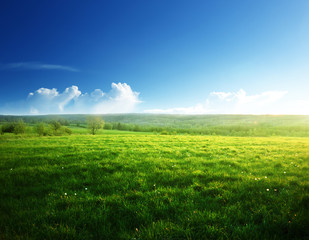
x=62, y=167
x=284, y=172
x=255, y=179
x=86, y=188
x=267, y=189
x=75, y=194
x=11, y=169
x=65, y=194
x=265, y=176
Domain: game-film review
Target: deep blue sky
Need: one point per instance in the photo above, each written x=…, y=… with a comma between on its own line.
x=174, y=53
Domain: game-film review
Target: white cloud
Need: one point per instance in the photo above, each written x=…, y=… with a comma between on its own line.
x=232, y=103
x=242, y=103
x=36, y=66
x=120, y=99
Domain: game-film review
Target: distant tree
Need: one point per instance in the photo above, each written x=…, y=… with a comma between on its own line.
x=55, y=126
x=40, y=128
x=66, y=130
x=94, y=123
x=8, y=127
x=108, y=126
x=19, y=127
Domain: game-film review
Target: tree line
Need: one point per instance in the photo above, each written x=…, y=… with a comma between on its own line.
x=55, y=125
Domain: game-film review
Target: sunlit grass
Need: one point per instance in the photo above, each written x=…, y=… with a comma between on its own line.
x=122, y=185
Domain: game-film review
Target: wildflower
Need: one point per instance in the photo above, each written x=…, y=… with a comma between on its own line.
x=267, y=189
x=75, y=194
x=275, y=190
x=265, y=176
x=11, y=169
x=86, y=188
x=284, y=172
x=255, y=179
x=65, y=194
x=62, y=167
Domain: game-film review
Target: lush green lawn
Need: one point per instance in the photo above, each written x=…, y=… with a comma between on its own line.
x=122, y=185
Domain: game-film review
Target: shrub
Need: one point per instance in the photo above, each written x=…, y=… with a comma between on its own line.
x=19, y=127
x=14, y=127
x=66, y=130
x=8, y=127
x=108, y=126
x=40, y=129
x=55, y=127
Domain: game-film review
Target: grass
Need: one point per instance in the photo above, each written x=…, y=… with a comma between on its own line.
x=124, y=185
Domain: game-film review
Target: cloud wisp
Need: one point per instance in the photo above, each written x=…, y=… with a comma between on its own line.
x=232, y=103
x=36, y=66
x=120, y=99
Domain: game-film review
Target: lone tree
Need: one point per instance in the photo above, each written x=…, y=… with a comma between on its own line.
x=94, y=123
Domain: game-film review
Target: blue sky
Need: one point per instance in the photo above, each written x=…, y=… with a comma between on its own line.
x=192, y=57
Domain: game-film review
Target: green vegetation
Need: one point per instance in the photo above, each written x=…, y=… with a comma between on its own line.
x=125, y=185
x=223, y=125
x=94, y=123
x=17, y=127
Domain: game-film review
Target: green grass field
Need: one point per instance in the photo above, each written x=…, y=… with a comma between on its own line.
x=124, y=185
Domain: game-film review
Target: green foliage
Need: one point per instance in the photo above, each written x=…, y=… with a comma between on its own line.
x=94, y=123
x=108, y=126
x=125, y=185
x=223, y=125
x=17, y=127
x=8, y=127
x=66, y=130
x=40, y=129
x=20, y=127
x=55, y=127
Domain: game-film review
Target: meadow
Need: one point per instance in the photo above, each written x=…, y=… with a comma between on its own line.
x=135, y=185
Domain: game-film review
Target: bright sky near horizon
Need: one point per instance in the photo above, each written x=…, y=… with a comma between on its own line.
x=171, y=56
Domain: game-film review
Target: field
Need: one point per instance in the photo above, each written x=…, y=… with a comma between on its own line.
x=125, y=185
